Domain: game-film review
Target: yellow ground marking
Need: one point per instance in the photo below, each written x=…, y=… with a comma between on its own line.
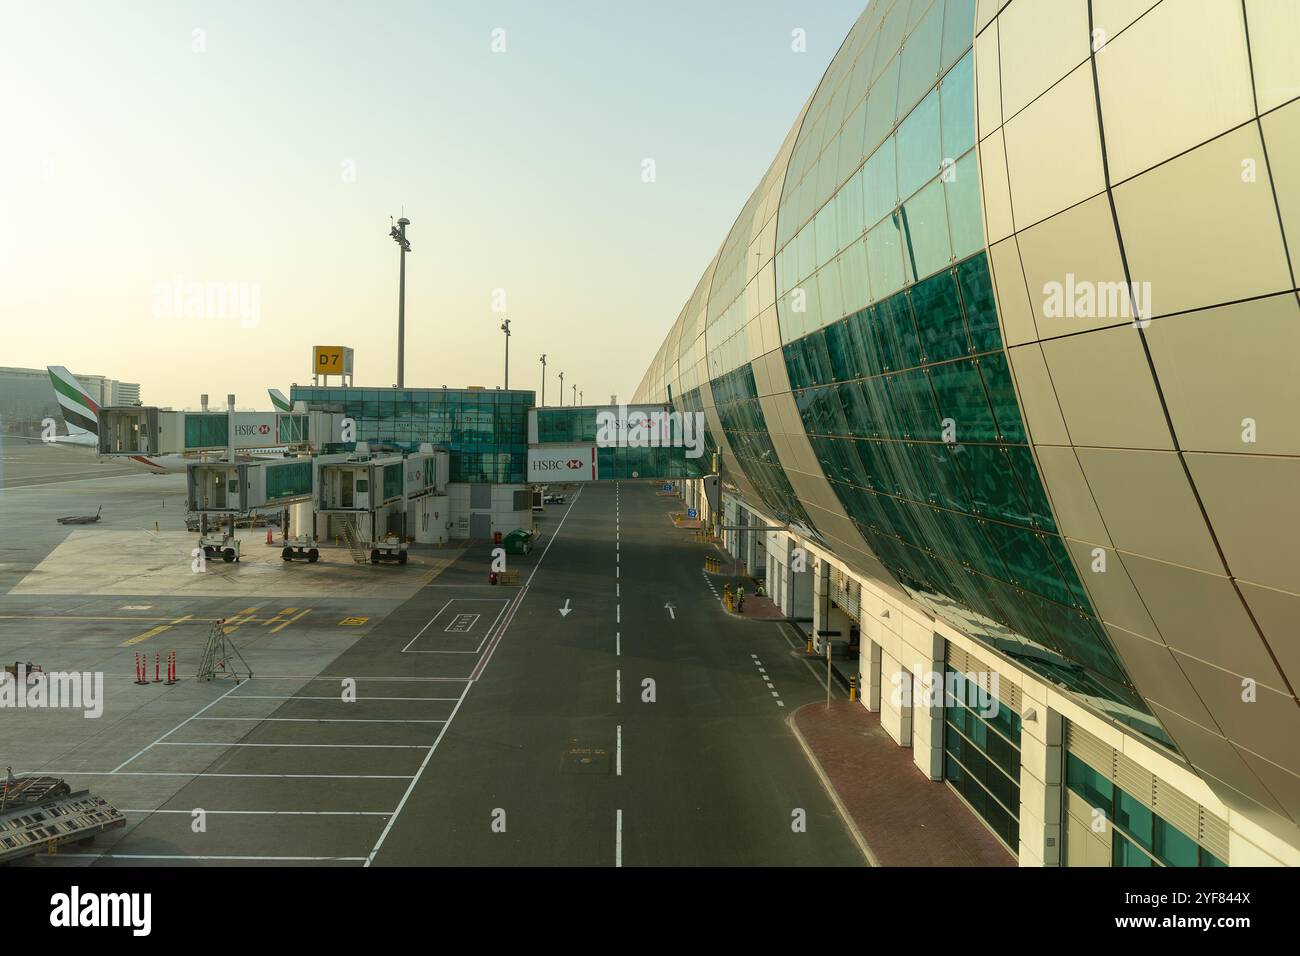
x=155, y=631
x=353, y=621
x=301, y=614
x=240, y=617
x=278, y=617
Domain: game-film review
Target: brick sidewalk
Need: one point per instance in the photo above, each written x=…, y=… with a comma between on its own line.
x=905, y=819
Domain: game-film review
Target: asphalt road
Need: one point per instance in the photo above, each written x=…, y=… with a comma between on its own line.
x=490, y=729
x=556, y=734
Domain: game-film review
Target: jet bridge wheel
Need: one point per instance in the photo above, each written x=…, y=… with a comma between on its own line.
x=287, y=554
x=228, y=555
x=312, y=556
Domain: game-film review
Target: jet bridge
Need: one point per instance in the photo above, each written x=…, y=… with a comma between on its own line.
x=218, y=492
x=126, y=430
x=377, y=504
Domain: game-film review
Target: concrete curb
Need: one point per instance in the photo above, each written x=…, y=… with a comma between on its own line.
x=843, y=811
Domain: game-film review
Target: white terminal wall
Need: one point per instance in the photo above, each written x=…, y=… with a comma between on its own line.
x=904, y=638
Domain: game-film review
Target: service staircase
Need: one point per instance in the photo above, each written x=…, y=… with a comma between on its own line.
x=41, y=813
x=351, y=537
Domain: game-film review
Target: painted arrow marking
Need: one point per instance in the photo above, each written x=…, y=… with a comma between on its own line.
x=671, y=612
x=564, y=611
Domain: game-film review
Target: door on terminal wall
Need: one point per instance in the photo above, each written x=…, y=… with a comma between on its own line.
x=480, y=527
x=905, y=687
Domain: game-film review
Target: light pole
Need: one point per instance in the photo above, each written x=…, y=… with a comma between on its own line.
x=561, y=389
x=505, y=327
x=543, y=380
x=581, y=400
x=575, y=395
x=398, y=232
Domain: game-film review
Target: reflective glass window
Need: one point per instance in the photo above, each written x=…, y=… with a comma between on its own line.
x=919, y=151
x=925, y=222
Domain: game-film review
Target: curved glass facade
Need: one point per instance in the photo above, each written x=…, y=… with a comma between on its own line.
x=845, y=345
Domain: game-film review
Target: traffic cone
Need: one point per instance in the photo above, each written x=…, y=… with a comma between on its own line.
x=157, y=667
x=139, y=670
x=268, y=536
x=171, y=668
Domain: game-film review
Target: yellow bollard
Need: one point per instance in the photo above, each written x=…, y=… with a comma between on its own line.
x=853, y=687
x=808, y=648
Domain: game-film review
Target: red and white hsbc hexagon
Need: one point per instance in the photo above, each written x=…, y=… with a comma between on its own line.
x=561, y=463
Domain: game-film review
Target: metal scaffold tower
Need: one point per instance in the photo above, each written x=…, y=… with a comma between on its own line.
x=220, y=656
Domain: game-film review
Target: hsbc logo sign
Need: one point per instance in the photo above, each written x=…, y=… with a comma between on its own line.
x=575, y=463
x=554, y=464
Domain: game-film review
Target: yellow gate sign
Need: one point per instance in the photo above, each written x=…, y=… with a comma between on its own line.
x=331, y=360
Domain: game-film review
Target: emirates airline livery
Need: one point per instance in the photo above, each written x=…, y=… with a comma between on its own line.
x=81, y=416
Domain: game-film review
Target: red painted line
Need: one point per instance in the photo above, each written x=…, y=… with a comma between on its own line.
x=502, y=623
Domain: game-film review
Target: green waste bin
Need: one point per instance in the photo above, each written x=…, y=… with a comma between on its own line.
x=518, y=541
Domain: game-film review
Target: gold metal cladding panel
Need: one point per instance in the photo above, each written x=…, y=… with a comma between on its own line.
x=1152, y=320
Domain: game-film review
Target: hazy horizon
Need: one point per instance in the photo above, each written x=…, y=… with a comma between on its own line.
x=267, y=152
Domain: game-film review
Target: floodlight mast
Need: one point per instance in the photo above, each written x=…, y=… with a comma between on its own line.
x=398, y=234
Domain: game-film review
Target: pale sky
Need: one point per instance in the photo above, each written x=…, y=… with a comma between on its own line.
x=271, y=148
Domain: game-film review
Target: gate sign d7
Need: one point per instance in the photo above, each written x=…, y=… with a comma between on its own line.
x=562, y=463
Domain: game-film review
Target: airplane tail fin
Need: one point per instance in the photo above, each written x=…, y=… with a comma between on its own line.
x=80, y=411
x=279, y=402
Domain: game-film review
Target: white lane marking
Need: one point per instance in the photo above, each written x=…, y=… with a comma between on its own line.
x=330, y=720
x=253, y=776
x=618, y=644
x=482, y=665
x=618, y=837
x=186, y=856
x=427, y=624
x=218, y=743
x=618, y=687
x=618, y=753
x=277, y=813
x=618, y=614
x=337, y=700
x=210, y=704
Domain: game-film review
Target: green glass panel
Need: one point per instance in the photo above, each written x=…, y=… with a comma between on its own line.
x=1001, y=394
x=1173, y=847
x=895, y=314
x=977, y=301
x=960, y=394
x=938, y=317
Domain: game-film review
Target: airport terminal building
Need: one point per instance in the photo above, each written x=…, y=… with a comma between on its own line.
x=27, y=397
x=999, y=361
